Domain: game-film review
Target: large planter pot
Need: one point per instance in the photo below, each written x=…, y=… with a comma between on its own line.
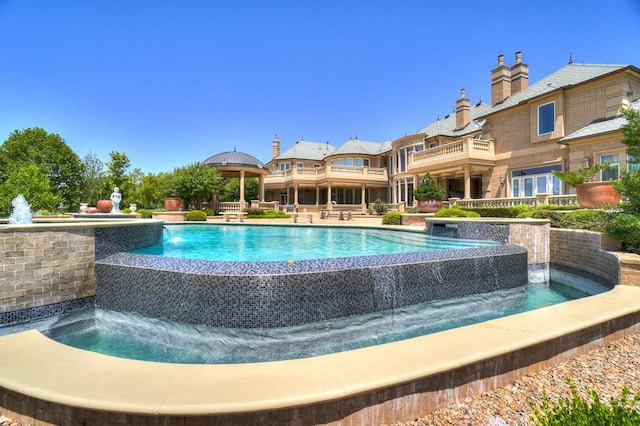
x=429, y=206
x=173, y=204
x=104, y=206
x=596, y=195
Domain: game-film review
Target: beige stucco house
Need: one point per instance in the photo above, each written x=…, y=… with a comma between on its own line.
x=507, y=149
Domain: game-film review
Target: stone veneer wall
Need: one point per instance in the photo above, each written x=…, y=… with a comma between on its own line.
x=531, y=234
x=585, y=252
x=48, y=269
x=45, y=266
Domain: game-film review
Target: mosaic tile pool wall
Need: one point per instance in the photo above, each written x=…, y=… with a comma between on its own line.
x=276, y=294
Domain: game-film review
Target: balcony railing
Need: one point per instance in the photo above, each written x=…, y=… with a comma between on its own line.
x=310, y=174
x=540, y=199
x=468, y=148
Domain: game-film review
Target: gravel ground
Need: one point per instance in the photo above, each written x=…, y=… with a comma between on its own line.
x=606, y=370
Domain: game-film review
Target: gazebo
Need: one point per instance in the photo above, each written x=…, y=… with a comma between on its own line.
x=234, y=164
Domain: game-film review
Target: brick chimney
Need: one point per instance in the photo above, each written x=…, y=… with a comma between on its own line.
x=275, y=147
x=519, y=75
x=500, y=82
x=463, y=111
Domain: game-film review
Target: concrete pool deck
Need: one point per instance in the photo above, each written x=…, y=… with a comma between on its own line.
x=382, y=384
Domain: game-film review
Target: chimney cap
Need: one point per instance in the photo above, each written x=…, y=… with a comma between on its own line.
x=461, y=93
x=500, y=59
x=518, y=57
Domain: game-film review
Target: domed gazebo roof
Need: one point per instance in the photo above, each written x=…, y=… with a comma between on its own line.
x=230, y=163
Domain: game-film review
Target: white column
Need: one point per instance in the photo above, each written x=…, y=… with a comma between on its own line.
x=261, y=185
x=295, y=194
x=242, y=187
x=467, y=182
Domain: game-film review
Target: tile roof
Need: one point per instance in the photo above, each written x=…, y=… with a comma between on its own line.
x=307, y=150
x=447, y=125
x=568, y=75
x=357, y=146
x=601, y=126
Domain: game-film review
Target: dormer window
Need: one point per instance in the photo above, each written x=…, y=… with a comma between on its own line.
x=546, y=118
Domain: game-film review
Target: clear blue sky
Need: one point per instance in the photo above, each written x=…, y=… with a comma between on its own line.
x=173, y=82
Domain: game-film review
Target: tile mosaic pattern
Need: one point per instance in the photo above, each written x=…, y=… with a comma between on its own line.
x=470, y=230
x=110, y=240
x=45, y=311
x=277, y=294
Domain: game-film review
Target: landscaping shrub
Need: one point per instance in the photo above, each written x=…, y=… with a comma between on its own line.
x=145, y=213
x=392, y=218
x=503, y=212
x=625, y=228
x=553, y=216
x=591, y=220
x=621, y=411
x=209, y=211
x=380, y=207
x=196, y=216
x=265, y=214
x=455, y=212
x=253, y=212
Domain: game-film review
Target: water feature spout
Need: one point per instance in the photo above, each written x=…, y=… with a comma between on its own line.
x=21, y=211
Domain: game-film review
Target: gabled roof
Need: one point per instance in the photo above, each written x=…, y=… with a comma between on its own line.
x=568, y=75
x=601, y=126
x=305, y=150
x=447, y=126
x=357, y=146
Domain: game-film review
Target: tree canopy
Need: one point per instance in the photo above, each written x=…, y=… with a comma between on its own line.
x=194, y=183
x=52, y=157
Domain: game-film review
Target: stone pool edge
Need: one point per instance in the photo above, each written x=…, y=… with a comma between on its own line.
x=326, y=389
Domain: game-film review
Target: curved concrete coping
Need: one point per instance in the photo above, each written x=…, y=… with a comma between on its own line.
x=31, y=364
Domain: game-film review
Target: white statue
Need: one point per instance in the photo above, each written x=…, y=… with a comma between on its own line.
x=116, y=197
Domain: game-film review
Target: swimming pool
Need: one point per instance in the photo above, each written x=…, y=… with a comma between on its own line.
x=260, y=243
x=152, y=339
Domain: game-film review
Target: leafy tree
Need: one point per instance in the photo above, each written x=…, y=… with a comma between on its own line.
x=629, y=183
x=93, y=179
x=152, y=189
x=626, y=226
x=117, y=175
x=231, y=191
x=132, y=185
x=29, y=180
x=194, y=184
x=117, y=168
x=50, y=153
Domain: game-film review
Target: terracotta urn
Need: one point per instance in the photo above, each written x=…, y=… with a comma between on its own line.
x=173, y=204
x=429, y=206
x=597, y=195
x=104, y=206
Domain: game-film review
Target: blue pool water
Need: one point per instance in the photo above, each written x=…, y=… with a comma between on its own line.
x=282, y=243
x=137, y=337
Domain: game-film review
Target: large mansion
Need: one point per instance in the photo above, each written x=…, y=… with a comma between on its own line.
x=568, y=119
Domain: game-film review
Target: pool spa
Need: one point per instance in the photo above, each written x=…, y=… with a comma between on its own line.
x=289, y=292
x=376, y=384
